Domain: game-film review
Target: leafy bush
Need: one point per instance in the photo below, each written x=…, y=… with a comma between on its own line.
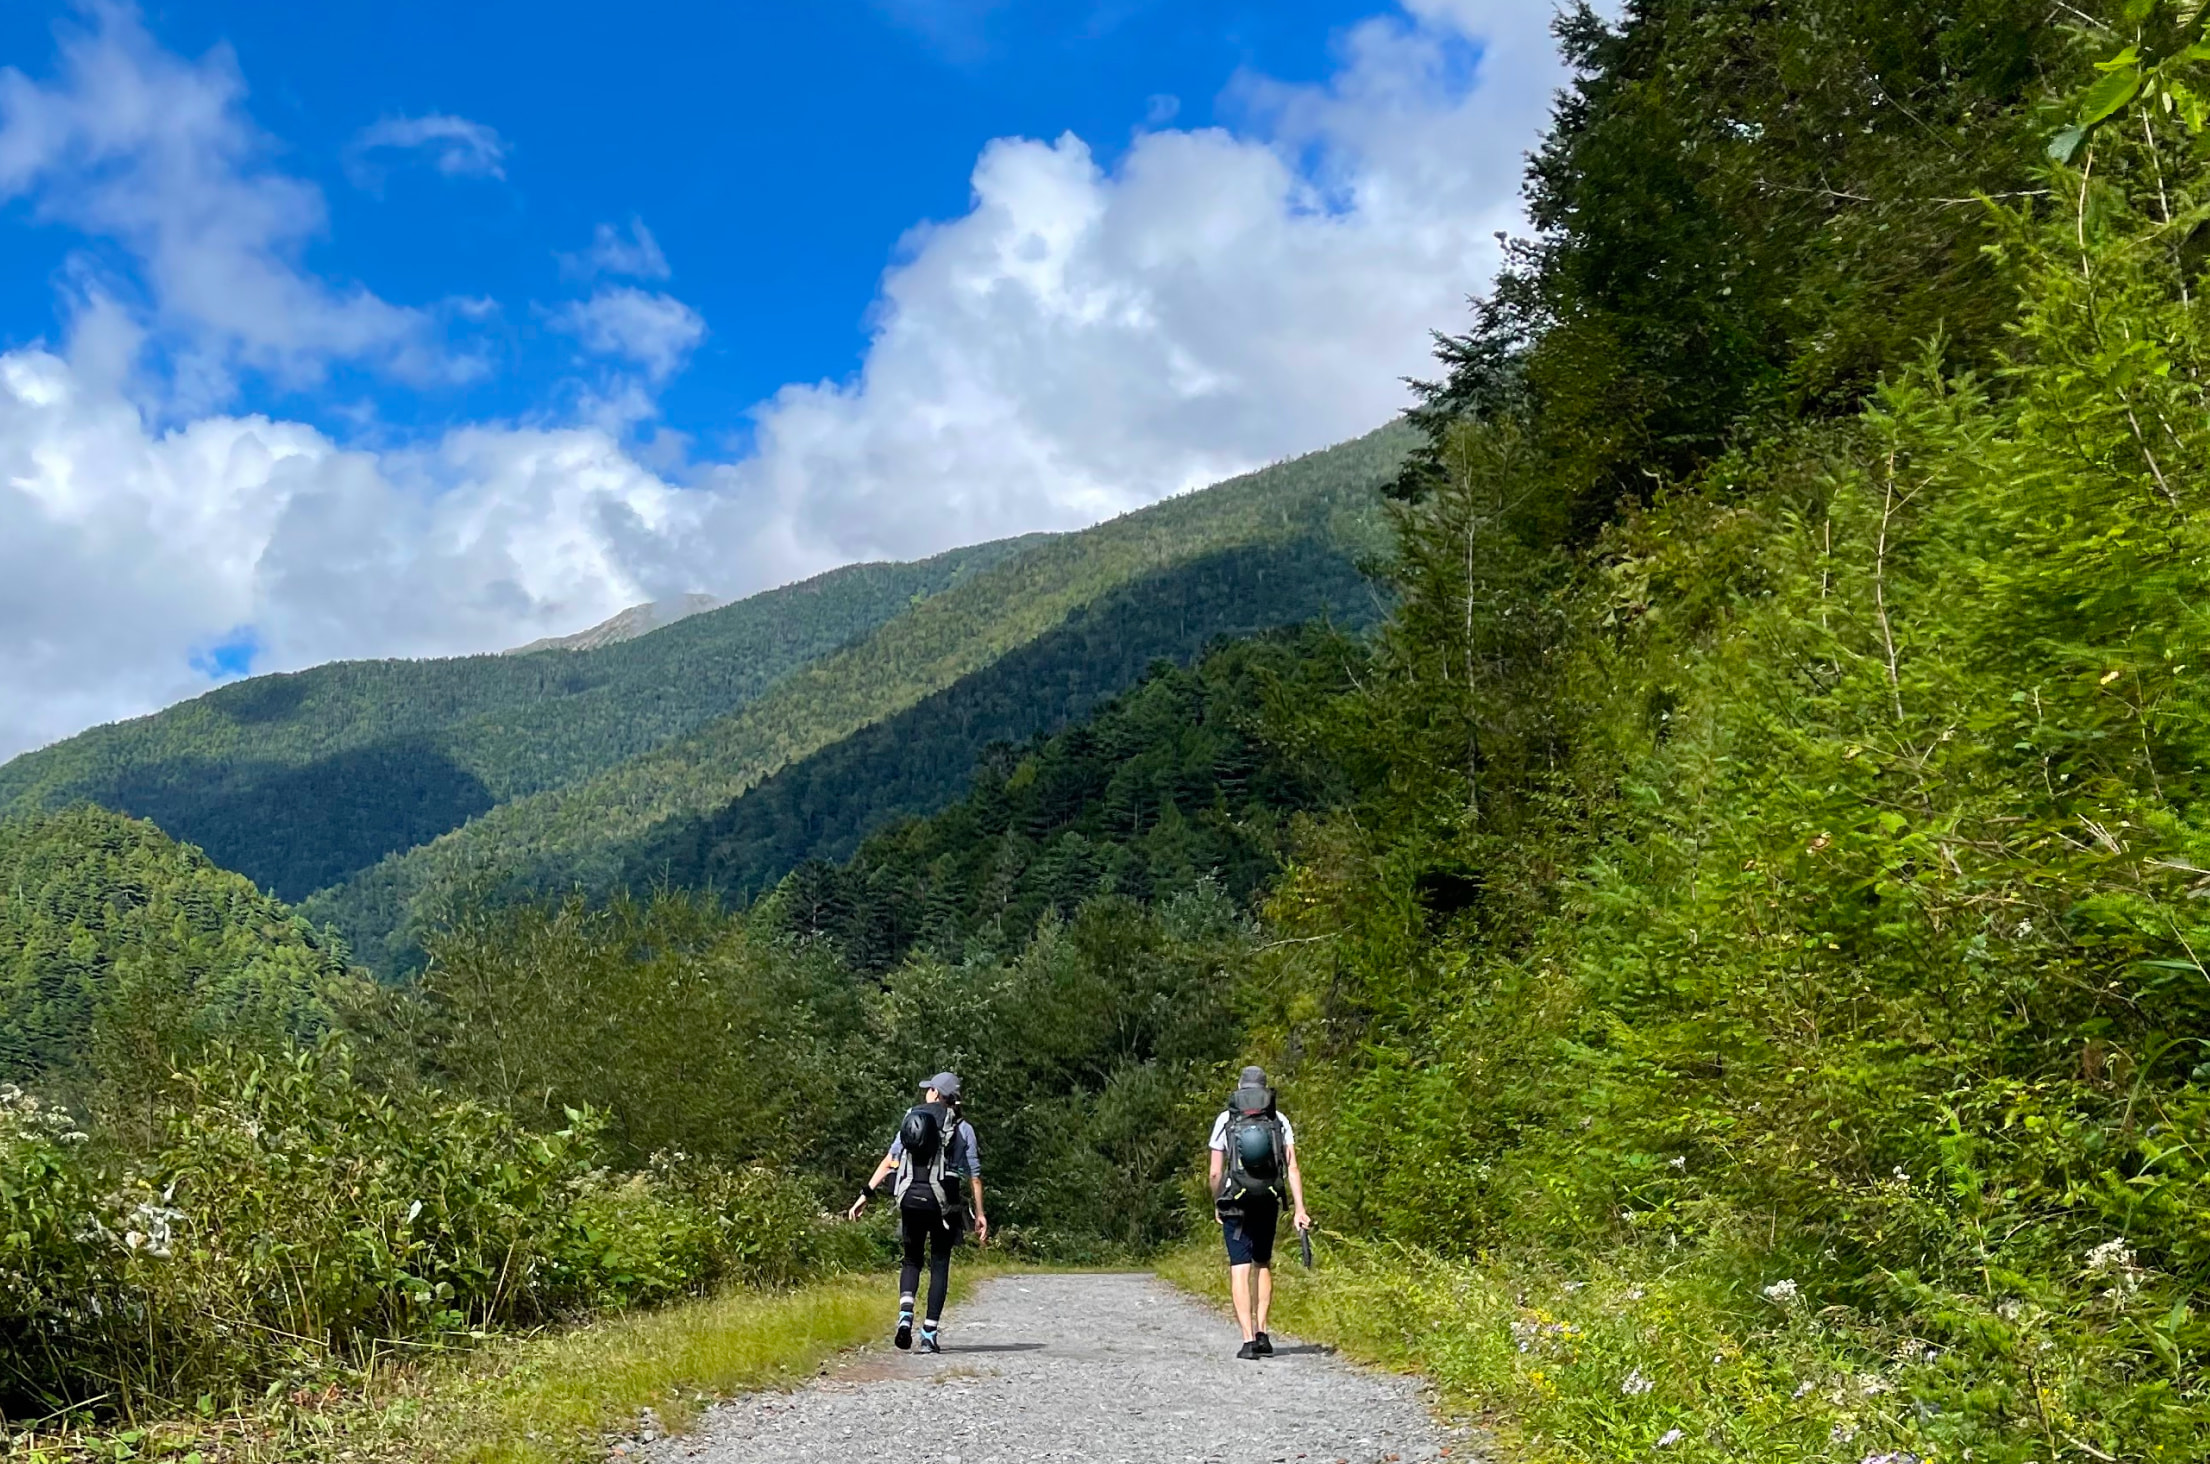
x=1804, y=882
x=294, y=1218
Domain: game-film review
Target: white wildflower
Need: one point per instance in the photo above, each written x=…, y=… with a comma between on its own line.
x=1634, y=1293
x=1900, y=1456
x=2111, y=1255
x=1782, y=1292
x=152, y=1230
x=2011, y=1310
x=1872, y=1385
x=1678, y=1161
x=1669, y=1438
x=1803, y=1389
x=1841, y=1433
x=1636, y=1384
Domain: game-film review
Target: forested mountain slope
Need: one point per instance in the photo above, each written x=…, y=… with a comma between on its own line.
x=300, y=780
x=585, y=835
x=113, y=936
x=820, y=807
x=1173, y=786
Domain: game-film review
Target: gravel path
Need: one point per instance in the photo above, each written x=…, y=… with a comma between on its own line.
x=1040, y=1369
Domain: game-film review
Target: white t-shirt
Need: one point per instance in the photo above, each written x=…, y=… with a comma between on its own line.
x=1220, y=1131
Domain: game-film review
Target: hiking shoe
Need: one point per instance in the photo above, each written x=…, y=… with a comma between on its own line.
x=1264, y=1344
x=929, y=1342
x=1248, y=1352
x=904, y=1339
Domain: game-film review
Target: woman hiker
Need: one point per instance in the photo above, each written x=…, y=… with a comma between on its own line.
x=933, y=1151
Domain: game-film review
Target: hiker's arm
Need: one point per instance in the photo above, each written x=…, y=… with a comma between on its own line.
x=982, y=1221
x=882, y=1172
x=1296, y=1188
x=1218, y=1159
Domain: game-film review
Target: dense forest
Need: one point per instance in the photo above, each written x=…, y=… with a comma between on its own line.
x=919, y=760
x=120, y=948
x=301, y=780
x=1729, y=930
x=1170, y=790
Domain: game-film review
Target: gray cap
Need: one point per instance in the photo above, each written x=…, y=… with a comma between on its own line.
x=1254, y=1077
x=945, y=1083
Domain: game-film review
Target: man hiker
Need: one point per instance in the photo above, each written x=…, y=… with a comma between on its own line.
x=1254, y=1159
x=934, y=1150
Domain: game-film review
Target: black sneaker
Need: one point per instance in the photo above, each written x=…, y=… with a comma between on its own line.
x=904, y=1339
x=1264, y=1344
x=1248, y=1352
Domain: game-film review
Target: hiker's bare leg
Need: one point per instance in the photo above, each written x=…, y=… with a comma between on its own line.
x=1265, y=1295
x=1239, y=1291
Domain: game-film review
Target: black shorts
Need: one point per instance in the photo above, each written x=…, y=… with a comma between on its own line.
x=1250, y=1235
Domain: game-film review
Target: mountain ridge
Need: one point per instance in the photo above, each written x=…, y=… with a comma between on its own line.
x=573, y=837
x=300, y=778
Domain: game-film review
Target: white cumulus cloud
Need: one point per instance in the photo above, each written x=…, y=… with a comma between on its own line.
x=1087, y=338
x=653, y=330
x=126, y=550
x=1091, y=334
x=455, y=146
x=130, y=143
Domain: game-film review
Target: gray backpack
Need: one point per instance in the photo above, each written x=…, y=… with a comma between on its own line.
x=925, y=1142
x=1257, y=1159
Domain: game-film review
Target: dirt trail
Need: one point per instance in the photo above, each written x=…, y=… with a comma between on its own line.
x=1039, y=1369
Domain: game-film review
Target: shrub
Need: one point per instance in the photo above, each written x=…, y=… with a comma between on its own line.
x=293, y=1219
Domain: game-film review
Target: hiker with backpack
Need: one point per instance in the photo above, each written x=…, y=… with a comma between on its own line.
x=933, y=1151
x=1254, y=1163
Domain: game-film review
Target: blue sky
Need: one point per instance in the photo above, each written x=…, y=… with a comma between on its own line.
x=410, y=329
x=776, y=153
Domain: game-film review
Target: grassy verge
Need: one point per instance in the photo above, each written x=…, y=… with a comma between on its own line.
x=1631, y=1359
x=552, y=1398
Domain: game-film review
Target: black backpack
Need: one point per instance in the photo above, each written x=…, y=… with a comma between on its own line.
x=1257, y=1159
x=924, y=1141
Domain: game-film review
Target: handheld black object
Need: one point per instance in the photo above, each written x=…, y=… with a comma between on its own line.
x=1304, y=1238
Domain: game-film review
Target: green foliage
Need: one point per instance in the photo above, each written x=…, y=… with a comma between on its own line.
x=687, y=1032
x=1820, y=903
x=292, y=1217
x=1745, y=212
x=298, y=781
x=582, y=835
x=121, y=950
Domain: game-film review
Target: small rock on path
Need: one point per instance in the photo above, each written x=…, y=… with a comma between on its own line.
x=1102, y=1369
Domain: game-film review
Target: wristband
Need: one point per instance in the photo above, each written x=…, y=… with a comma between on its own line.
x=870, y=1191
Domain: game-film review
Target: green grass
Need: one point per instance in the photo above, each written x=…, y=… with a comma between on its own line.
x=1606, y=1363
x=558, y=1398
x=555, y=1397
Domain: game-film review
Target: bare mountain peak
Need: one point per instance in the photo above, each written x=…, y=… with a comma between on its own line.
x=637, y=620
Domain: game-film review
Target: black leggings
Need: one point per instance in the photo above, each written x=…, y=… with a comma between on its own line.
x=926, y=1229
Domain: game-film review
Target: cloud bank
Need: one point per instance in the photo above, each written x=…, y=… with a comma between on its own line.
x=1086, y=338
